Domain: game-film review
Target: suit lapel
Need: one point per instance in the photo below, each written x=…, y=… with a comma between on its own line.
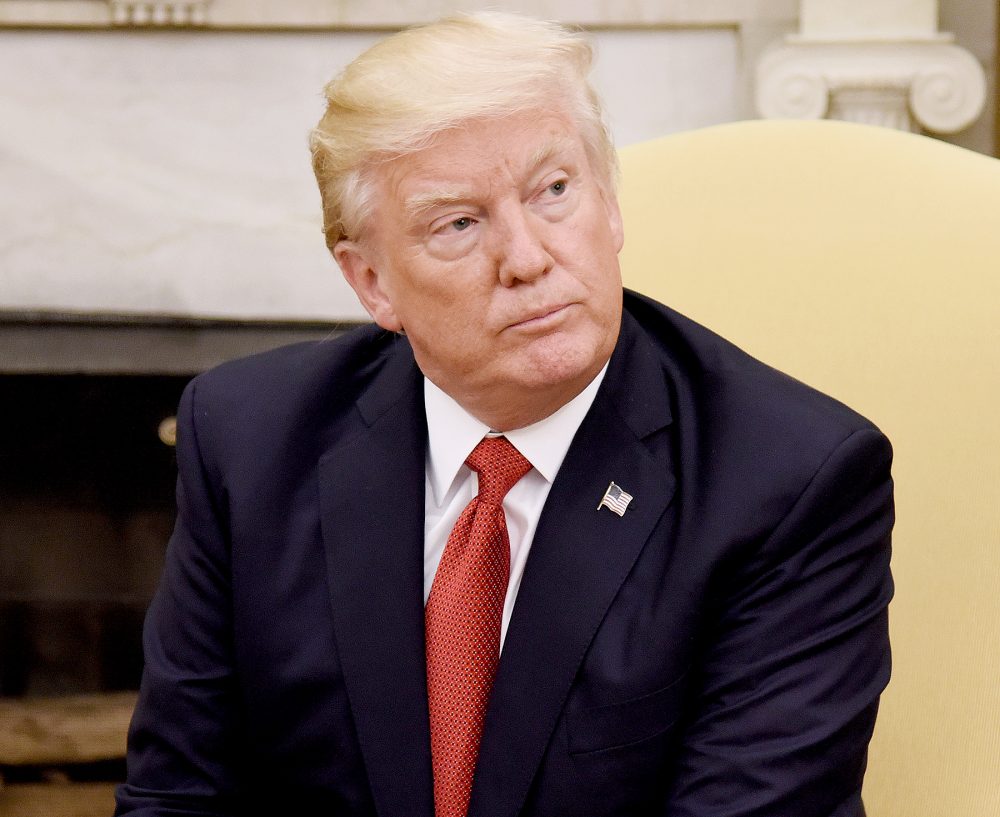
x=578, y=561
x=372, y=507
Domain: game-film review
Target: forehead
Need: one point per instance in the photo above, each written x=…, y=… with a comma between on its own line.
x=483, y=153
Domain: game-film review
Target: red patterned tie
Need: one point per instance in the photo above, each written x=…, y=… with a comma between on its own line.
x=462, y=618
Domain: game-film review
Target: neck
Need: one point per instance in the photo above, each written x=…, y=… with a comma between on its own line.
x=522, y=407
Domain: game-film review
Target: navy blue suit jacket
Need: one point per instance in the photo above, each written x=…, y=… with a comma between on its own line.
x=718, y=650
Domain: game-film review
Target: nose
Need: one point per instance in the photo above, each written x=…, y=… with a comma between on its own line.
x=520, y=246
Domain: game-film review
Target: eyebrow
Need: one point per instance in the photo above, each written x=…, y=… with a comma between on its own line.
x=546, y=153
x=421, y=203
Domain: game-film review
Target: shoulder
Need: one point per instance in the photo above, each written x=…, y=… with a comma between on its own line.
x=289, y=372
x=291, y=397
x=748, y=417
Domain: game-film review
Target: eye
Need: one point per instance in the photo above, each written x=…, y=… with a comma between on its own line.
x=559, y=187
x=450, y=226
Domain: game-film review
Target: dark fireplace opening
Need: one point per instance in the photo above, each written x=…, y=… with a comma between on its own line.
x=87, y=474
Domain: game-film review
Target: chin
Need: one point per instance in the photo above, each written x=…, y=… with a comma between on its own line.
x=563, y=362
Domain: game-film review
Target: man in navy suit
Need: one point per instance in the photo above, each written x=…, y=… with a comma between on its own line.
x=690, y=617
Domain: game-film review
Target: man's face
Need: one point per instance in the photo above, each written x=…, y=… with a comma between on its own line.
x=495, y=250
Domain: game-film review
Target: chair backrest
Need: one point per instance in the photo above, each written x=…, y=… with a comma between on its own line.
x=866, y=262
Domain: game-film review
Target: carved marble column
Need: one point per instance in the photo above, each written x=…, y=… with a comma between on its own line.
x=879, y=62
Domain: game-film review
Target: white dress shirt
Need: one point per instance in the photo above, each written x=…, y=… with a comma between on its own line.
x=452, y=433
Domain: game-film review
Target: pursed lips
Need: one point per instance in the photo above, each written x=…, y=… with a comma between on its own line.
x=540, y=317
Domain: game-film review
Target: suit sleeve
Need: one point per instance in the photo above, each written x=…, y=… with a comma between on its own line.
x=181, y=745
x=799, y=654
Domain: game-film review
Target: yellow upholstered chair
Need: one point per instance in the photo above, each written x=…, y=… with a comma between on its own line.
x=866, y=262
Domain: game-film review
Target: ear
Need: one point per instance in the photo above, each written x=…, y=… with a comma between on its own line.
x=364, y=273
x=614, y=219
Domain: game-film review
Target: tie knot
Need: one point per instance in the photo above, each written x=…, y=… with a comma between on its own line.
x=499, y=466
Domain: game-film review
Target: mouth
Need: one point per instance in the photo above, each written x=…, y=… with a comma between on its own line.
x=542, y=319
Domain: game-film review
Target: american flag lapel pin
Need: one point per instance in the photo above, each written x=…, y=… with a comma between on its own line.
x=615, y=499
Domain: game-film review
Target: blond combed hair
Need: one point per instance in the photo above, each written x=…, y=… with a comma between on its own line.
x=398, y=94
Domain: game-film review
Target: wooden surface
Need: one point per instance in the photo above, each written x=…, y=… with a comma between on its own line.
x=57, y=731
x=57, y=800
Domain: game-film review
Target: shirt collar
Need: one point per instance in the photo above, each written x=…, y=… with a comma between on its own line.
x=452, y=433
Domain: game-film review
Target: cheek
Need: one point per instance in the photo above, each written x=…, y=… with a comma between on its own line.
x=456, y=298
x=590, y=237
x=448, y=323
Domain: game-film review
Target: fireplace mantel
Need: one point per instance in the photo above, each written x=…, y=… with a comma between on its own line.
x=70, y=343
